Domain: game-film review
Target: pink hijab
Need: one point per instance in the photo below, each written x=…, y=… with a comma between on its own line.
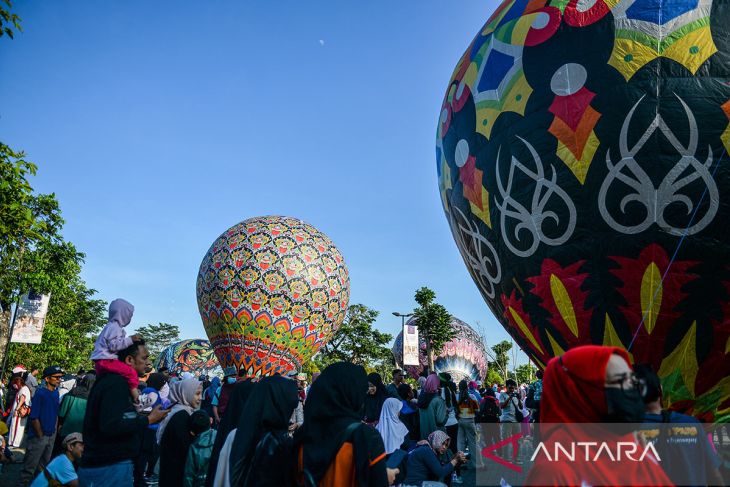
x=432, y=383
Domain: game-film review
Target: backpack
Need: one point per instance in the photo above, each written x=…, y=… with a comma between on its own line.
x=489, y=411
x=537, y=388
x=342, y=466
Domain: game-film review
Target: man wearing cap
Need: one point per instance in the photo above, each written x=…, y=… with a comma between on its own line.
x=112, y=428
x=61, y=468
x=43, y=422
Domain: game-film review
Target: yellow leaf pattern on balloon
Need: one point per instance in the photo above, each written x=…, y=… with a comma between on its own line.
x=683, y=359
x=557, y=349
x=523, y=327
x=611, y=338
x=651, y=296
x=563, y=303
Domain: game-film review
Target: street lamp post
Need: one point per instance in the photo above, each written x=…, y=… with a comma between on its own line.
x=403, y=317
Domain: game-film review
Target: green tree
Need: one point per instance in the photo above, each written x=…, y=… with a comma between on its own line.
x=434, y=323
x=493, y=377
x=158, y=337
x=8, y=20
x=357, y=342
x=524, y=374
x=34, y=255
x=500, y=358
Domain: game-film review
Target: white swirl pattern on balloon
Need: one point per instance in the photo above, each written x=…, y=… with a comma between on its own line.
x=479, y=254
x=656, y=200
x=532, y=220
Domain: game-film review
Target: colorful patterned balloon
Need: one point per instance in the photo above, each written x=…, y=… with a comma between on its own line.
x=464, y=357
x=583, y=168
x=271, y=291
x=195, y=356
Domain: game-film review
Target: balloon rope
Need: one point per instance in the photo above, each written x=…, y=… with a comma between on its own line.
x=674, y=256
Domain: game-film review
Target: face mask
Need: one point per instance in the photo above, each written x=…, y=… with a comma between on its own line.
x=624, y=406
x=231, y=380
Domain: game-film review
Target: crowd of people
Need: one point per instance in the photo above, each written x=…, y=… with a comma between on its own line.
x=122, y=424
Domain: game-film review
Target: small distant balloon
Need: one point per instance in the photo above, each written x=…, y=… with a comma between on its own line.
x=463, y=357
x=195, y=356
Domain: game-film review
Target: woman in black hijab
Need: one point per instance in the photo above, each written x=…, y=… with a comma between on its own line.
x=374, y=399
x=333, y=417
x=236, y=403
x=262, y=449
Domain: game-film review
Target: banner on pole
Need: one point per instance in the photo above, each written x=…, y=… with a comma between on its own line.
x=410, y=345
x=30, y=318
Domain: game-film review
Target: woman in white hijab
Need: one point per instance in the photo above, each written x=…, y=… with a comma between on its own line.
x=390, y=427
x=174, y=431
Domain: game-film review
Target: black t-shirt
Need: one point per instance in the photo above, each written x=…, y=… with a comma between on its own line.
x=112, y=428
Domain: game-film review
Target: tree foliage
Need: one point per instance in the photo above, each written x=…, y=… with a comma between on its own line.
x=434, y=323
x=524, y=374
x=34, y=255
x=8, y=20
x=500, y=359
x=357, y=342
x=494, y=377
x=158, y=337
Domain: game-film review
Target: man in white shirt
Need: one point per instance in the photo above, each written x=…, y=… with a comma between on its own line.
x=509, y=402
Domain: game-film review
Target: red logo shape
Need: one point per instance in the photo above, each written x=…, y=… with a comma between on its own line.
x=489, y=452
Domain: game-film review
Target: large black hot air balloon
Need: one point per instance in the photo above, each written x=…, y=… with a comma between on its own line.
x=583, y=168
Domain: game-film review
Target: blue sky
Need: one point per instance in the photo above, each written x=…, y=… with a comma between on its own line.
x=160, y=124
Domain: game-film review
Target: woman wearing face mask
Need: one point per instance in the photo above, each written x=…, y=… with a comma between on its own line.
x=424, y=464
x=592, y=384
x=174, y=431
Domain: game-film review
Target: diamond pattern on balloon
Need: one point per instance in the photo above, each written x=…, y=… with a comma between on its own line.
x=573, y=126
x=474, y=192
x=648, y=29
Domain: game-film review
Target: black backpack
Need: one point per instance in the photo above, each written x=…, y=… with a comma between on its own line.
x=489, y=411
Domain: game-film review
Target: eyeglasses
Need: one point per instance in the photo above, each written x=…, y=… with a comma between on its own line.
x=629, y=381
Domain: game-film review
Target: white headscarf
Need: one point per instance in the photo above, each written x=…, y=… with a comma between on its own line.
x=182, y=394
x=390, y=427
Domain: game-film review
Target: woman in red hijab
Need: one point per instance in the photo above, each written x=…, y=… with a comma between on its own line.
x=592, y=384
